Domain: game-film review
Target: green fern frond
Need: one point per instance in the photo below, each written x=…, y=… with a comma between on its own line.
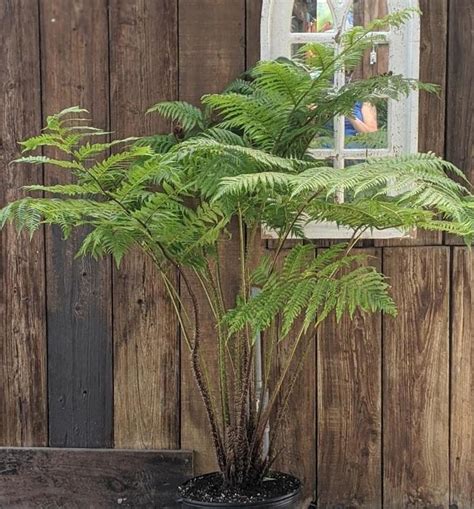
x=319, y=57
x=61, y=163
x=284, y=79
x=261, y=273
x=90, y=150
x=67, y=189
x=160, y=143
x=112, y=167
x=297, y=303
x=67, y=111
x=223, y=136
x=363, y=288
x=240, y=86
x=109, y=239
x=187, y=115
x=44, y=140
x=246, y=184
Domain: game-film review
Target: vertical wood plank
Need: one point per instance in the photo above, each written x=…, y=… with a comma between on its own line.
x=253, y=19
x=143, y=60
x=433, y=68
x=460, y=93
x=211, y=54
x=349, y=409
x=211, y=45
x=432, y=112
x=297, y=435
x=295, y=439
x=74, y=71
x=23, y=394
x=416, y=379
x=462, y=381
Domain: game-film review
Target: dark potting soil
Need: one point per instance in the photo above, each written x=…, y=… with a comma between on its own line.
x=209, y=488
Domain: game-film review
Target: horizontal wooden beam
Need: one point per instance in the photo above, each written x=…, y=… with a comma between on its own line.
x=50, y=477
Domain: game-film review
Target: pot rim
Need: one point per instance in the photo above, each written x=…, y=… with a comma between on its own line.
x=230, y=505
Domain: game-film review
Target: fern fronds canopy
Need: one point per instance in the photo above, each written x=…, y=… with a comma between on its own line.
x=239, y=161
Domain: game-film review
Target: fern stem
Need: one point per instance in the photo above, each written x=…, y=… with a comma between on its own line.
x=170, y=290
x=266, y=414
x=284, y=238
x=203, y=383
x=221, y=340
x=221, y=361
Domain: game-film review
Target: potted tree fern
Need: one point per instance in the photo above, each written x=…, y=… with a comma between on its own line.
x=239, y=163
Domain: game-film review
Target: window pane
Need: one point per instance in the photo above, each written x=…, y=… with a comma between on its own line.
x=313, y=55
x=318, y=57
x=297, y=51
x=311, y=16
x=367, y=127
x=324, y=137
x=363, y=12
x=375, y=62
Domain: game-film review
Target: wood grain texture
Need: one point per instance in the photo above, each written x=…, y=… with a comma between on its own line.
x=23, y=395
x=143, y=64
x=460, y=93
x=349, y=408
x=194, y=422
x=195, y=430
x=432, y=112
x=364, y=12
x=74, y=66
x=433, y=68
x=91, y=478
x=253, y=19
x=211, y=54
x=297, y=435
x=211, y=45
x=416, y=379
x=462, y=381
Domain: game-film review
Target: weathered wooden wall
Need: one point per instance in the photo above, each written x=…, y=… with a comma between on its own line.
x=46, y=477
x=90, y=356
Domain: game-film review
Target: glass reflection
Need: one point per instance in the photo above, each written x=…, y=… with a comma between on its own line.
x=366, y=128
x=311, y=16
x=316, y=56
x=364, y=12
x=324, y=137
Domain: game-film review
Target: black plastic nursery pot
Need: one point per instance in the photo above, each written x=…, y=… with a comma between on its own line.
x=281, y=491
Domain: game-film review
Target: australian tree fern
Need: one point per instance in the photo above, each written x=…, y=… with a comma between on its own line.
x=240, y=162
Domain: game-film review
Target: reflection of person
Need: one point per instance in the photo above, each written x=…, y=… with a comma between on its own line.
x=364, y=119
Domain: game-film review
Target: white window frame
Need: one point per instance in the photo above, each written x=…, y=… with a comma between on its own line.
x=404, y=58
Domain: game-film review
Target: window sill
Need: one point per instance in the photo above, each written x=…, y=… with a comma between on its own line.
x=330, y=230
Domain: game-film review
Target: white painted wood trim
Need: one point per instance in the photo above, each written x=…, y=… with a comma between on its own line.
x=404, y=54
x=404, y=58
x=329, y=230
x=350, y=153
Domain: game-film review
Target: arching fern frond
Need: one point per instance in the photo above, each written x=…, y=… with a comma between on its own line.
x=187, y=115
